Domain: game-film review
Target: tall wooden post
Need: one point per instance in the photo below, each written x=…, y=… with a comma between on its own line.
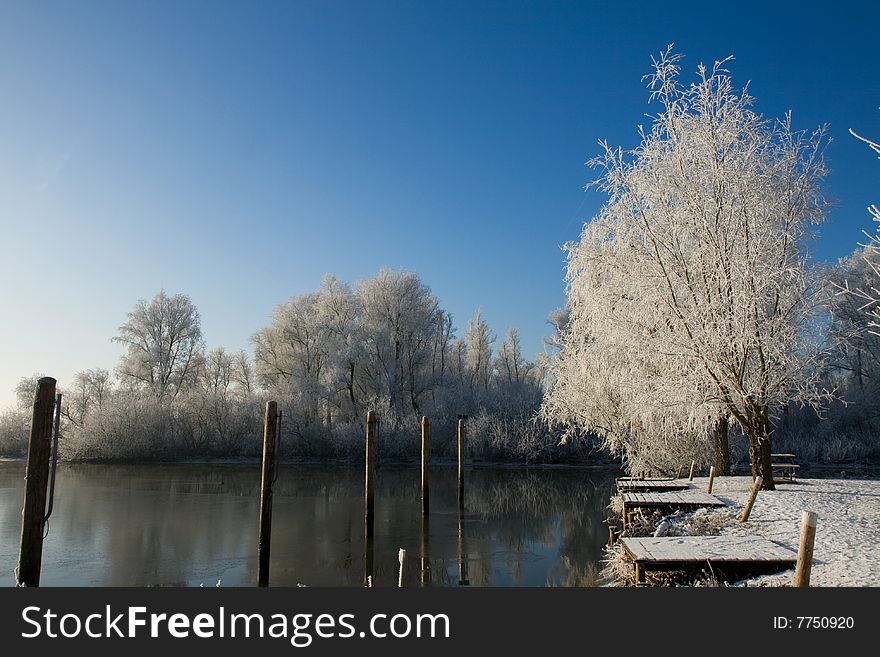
x=753, y=494
x=370, y=473
x=369, y=493
x=462, y=446
x=30, y=556
x=424, y=563
x=711, y=479
x=426, y=447
x=462, y=551
x=693, y=465
x=270, y=439
x=462, y=543
x=805, y=549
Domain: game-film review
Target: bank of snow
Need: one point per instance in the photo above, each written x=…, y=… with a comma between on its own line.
x=847, y=535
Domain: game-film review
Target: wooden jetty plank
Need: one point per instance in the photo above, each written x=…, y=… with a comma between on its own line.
x=695, y=550
x=671, y=498
x=656, y=485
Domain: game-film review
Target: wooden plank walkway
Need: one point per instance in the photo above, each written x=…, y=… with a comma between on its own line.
x=680, y=552
x=680, y=499
x=668, y=500
x=651, y=485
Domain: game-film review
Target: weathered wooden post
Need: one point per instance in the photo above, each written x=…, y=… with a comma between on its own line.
x=369, y=492
x=640, y=572
x=270, y=440
x=462, y=446
x=711, y=479
x=30, y=556
x=752, y=496
x=426, y=437
x=693, y=465
x=805, y=549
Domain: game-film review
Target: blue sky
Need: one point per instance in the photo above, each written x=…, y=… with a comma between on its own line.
x=239, y=151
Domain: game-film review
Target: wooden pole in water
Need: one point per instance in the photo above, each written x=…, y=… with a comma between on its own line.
x=693, y=465
x=370, y=474
x=752, y=496
x=401, y=558
x=805, y=549
x=462, y=445
x=711, y=479
x=30, y=556
x=369, y=493
x=424, y=563
x=426, y=436
x=463, y=579
x=270, y=439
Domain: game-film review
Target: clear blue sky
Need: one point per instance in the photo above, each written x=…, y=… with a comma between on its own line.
x=239, y=151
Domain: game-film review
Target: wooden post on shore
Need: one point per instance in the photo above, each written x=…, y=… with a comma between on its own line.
x=752, y=496
x=711, y=479
x=426, y=447
x=369, y=493
x=610, y=535
x=30, y=556
x=805, y=549
x=693, y=465
x=462, y=446
x=270, y=439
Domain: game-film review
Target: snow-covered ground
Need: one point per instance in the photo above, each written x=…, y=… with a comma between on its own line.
x=847, y=547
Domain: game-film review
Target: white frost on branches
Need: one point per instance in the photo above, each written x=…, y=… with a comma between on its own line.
x=690, y=296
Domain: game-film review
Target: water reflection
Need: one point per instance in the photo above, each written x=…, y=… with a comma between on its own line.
x=118, y=525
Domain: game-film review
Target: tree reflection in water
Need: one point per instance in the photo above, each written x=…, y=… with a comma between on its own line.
x=129, y=525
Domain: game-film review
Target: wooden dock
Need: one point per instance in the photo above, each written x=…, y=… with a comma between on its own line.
x=744, y=553
x=651, y=485
x=666, y=501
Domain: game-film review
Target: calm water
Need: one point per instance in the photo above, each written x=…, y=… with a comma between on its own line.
x=185, y=525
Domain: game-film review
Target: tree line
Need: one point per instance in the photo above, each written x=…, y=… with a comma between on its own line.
x=327, y=356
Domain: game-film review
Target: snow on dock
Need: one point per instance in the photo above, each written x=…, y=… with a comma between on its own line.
x=651, y=485
x=666, y=501
x=680, y=552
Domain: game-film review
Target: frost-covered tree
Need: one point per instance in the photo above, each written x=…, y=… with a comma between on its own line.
x=243, y=372
x=292, y=352
x=510, y=362
x=163, y=337
x=401, y=321
x=217, y=371
x=88, y=391
x=690, y=296
x=479, y=340
x=869, y=291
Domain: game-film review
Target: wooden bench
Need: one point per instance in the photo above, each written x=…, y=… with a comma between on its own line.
x=785, y=466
